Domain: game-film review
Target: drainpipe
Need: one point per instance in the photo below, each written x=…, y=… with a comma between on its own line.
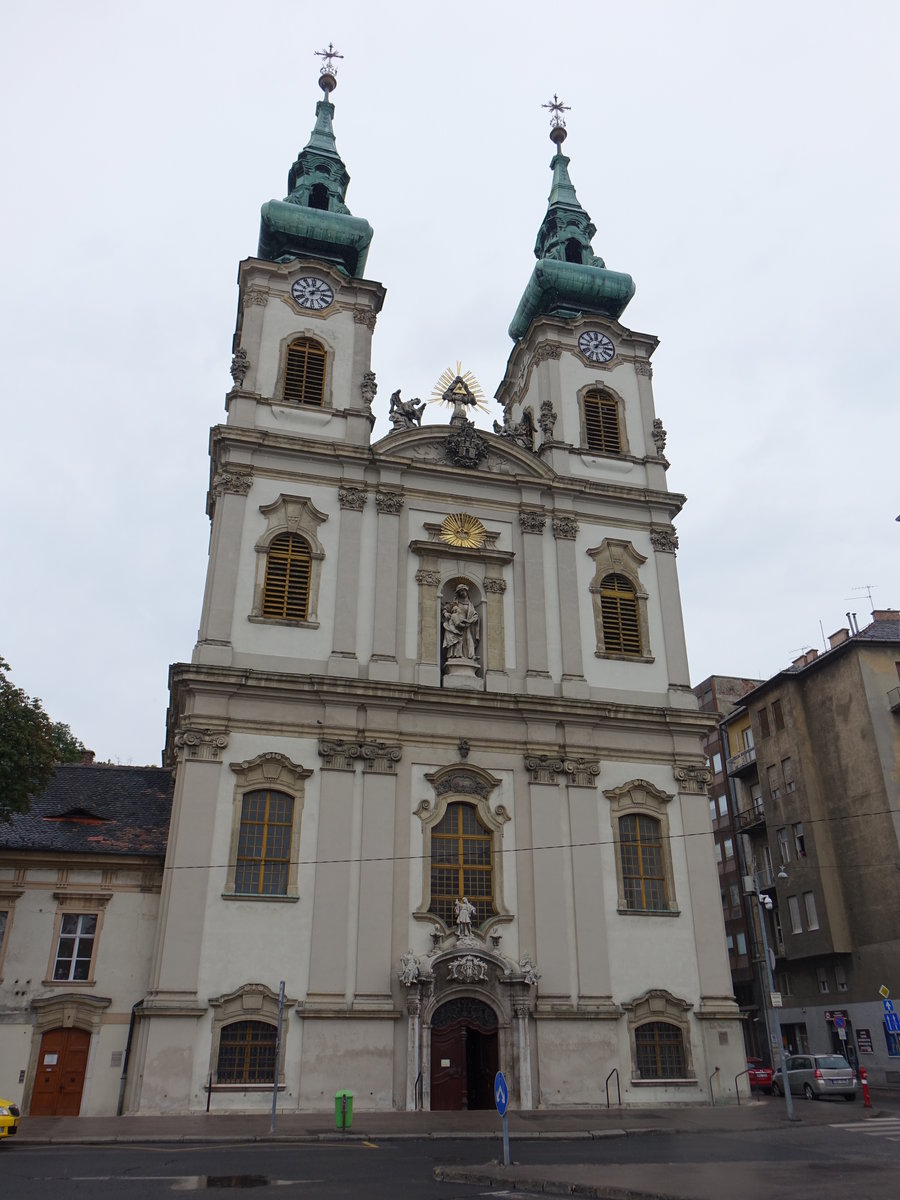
x=124, y=1079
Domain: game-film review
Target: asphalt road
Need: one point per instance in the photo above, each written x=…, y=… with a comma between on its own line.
x=382, y=1171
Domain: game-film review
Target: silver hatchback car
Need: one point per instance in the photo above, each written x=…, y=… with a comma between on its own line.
x=817, y=1075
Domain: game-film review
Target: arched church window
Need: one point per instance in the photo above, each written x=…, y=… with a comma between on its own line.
x=286, y=587
x=264, y=843
x=601, y=423
x=619, y=613
x=246, y=1053
x=643, y=874
x=461, y=864
x=304, y=376
x=659, y=1051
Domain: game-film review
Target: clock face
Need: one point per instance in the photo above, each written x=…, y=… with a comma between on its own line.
x=596, y=347
x=310, y=292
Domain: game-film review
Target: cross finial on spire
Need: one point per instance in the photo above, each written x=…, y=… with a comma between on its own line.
x=328, y=71
x=557, y=120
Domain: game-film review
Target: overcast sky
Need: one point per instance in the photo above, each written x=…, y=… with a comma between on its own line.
x=738, y=159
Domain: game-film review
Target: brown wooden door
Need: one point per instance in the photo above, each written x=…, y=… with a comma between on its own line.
x=59, y=1081
x=448, y=1068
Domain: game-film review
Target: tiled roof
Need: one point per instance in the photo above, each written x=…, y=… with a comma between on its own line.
x=94, y=809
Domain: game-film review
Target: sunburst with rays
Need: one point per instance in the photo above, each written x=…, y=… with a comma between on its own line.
x=458, y=387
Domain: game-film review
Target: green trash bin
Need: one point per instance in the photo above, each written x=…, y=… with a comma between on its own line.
x=343, y=1110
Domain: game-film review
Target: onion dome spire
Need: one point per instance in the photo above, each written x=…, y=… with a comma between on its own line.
x=313, y=221
x=569, y=279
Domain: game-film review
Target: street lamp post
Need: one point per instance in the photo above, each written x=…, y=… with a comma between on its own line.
x=767, y=905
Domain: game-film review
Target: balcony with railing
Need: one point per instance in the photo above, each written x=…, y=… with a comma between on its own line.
x=741, y=761
x=749, y=817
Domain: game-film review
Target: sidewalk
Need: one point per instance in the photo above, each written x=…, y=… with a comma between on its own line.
x=682, y=1181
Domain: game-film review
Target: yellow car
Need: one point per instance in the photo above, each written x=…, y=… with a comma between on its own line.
x=9, y=1118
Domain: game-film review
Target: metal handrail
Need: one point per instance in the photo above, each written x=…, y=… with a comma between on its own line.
x=737, y=1090
x=614, y=1071
x=712, y=1098
x=419, y=1084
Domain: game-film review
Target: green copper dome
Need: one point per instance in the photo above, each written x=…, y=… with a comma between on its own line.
x=568, y=279
x=313, y=221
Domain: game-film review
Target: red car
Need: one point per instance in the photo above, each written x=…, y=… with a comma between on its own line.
x=759, y=1074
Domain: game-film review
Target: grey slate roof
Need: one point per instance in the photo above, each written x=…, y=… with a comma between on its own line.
x=95, y=809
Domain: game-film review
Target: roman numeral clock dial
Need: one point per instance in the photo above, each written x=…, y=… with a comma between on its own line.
x=595, y=346
x=310, y=292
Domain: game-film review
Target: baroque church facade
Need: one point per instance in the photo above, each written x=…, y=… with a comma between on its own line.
x=439, y=768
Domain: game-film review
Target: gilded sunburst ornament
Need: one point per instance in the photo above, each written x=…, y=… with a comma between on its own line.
x=458, y=388
x=459, y=529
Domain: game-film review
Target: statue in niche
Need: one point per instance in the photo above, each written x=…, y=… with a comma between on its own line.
x=461, y=626
x=409, y=969
x=405, y=414
x=464, y=911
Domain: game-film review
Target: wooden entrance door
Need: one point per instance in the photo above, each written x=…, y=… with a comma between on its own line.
x=463, y=1055
x=59, y=1080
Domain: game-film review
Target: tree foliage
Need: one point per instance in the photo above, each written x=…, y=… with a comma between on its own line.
x=30, y=746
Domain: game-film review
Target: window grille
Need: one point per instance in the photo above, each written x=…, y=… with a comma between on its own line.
x=304, y=375
x=660, y=1051
x=246, y=1053
x=286, y=588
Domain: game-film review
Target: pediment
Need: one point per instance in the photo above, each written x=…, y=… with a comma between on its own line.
x=433, y=446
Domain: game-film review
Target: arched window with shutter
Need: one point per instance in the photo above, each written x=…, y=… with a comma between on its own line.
x=602, y=432
x=286, y=587
x=304, y=373
x=619, y=612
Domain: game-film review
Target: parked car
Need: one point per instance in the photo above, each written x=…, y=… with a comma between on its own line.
x=759, y=1075
x=817, y=1075
x=9, y=1118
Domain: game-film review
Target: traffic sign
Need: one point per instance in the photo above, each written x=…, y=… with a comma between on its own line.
x=888, y=1005
x=840, y=1023
x=892, y=1022
x=884, y=991
x=501, y=1093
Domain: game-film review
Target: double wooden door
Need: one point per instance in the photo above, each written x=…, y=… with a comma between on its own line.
x=464, y=1062
x=59, y=1080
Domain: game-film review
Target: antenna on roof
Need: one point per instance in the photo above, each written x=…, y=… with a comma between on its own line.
x=867, y=588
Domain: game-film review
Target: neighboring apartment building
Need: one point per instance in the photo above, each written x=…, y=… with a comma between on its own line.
x=721, y=694
x=80, y=878
x=813, y=757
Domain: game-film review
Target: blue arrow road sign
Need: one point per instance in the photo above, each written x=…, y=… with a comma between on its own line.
x=501, y=1093
x=888, y=1005
x=892, y=1022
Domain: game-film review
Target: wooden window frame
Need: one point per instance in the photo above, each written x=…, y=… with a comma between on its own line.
x=643, y=1044
x=610, y=408
x=249, y=1002
x=458, y=842
x=260, y=859
x=616, y=557
x=295, y=515
x=312, y=350
x=639, y=797
x=270, y=772
x=619, y=615
x=73, y=904
x=658, y=1006
x=244, y=1048
x=287, y=598
x=473, y=786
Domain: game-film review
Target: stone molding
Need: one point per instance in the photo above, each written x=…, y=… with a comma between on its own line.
x=390, y=503
x=532, y=521
x=664, y=540
x=428, y=578
x=240, y=365
x=254, y=296
x=565, y=528
x=577, y=772
x=497, y=586
x=465, y=447
x=201, y=744
x=693, y=779
x=353, y=498
x=642, y=367
x=236, y=480
x=545, y=351
x=378, y=758
x=365, y=316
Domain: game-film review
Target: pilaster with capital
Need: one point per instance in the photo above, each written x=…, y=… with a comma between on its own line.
x=428, y=580
x=565, y=530
x=343, y=660
x=229, y=488
x=494, y=590
x=534, y=649
x=383, y=664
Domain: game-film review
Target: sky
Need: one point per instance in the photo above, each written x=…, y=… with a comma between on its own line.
x=738, y=159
